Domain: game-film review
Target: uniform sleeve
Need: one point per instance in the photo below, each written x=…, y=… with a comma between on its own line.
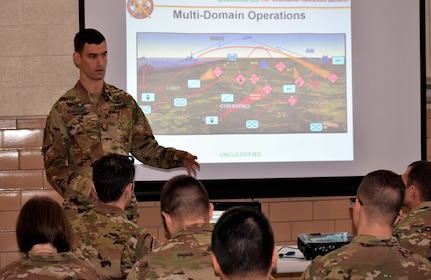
x=306, y=274
x=310, y=271
x=139, y=270
x=60, y=175
x=138, y=245
x=146, y=243
x=146, y=148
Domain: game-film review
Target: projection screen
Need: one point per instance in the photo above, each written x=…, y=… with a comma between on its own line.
x=276, y=98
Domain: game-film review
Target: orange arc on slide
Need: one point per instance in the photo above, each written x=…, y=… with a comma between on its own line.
x=316, y=69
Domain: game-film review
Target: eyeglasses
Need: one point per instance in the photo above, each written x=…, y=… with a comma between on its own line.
x=353, y=200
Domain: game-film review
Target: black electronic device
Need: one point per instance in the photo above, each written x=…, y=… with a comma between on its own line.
x=221, y=206
x=318, y=244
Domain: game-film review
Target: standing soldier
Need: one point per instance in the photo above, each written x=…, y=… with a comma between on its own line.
x=94, y=119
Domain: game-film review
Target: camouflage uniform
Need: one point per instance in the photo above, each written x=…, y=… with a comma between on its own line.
x=414, y=230
x=187, y=255
x=104, y=237
x=82, y=128
x=369, y=257
x=49, y=267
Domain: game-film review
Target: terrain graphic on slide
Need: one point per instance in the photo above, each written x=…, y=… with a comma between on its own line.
x=242, y=83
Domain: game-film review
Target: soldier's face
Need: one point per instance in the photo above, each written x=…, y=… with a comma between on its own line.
x=92, y=61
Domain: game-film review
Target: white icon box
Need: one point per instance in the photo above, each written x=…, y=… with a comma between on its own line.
x=231, y=57
x=252, y=124
x=148, y=97
x=211, y=120
x=338, y=60
x=316, y=127
x=180, y=102
x=226, y=97
x=289, y=88
x=193, y=83
x=146, y=109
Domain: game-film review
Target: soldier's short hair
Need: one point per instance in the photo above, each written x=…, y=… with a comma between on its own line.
x=87, y=36
x=111, y=175
x=184, y=198
x=43, y=220
x=243, y=242
x=382, y=194
x=419, y=174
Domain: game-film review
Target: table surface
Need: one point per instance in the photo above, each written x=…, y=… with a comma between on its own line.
x=291, y=262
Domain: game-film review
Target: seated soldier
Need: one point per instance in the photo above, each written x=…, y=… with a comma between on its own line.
x=186, y=212
x=373, y=253
x=44, y=236
x=103, y=235
x=414, y=229
x=243, y=245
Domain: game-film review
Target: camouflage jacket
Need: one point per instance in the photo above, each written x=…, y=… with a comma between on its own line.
x=49, y=267
x=81, y=128
x=112, y=244
x=414, y=230
x=369, y=257
x=187, y=255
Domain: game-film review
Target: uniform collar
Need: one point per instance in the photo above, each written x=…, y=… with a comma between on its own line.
x=104, y=208
x=195, y=228
x=84, y=95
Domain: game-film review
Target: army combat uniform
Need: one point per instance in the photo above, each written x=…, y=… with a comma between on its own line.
x=49, y=267
x=414, y=230
x=369, y=257
x=187, y=255
x=104, y=237
x=81, y=128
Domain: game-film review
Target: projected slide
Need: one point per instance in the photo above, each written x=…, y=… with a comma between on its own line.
x=244, y=81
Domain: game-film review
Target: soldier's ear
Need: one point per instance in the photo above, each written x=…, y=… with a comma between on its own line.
x=216, y=265
x=168, y=221
x=211, y=210
x=129, y=188
x=76, y=59
x=397, y=219
x=274, y=257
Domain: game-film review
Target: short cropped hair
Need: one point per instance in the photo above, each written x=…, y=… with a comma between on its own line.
x=111, y=175
x=87, y=36
x=184, y=197
x=243, y=242
x=419, y=174
x=382, y=194
x=43, y=220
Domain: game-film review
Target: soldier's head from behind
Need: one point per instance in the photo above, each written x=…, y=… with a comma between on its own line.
x=417, y=180
x=42, y=221
x=378, y=201
x=184, y=201
x=243, y=245
x=113, y=177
